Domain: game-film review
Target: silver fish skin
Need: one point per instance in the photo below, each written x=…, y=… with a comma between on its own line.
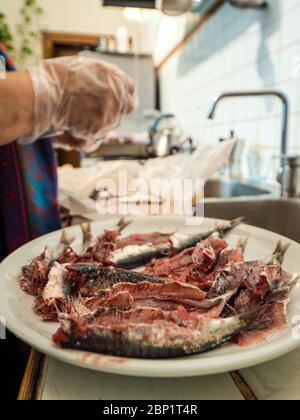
x=221, y=230
x=135, y=256
x=96, y=277
x=156, y=340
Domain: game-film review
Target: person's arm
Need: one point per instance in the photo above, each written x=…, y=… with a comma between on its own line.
x=80, y=96
x=16, y=107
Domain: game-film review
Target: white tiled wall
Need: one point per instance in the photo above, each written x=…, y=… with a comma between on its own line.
x=238, y=50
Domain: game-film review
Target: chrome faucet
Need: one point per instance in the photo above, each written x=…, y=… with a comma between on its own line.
x=285, y=116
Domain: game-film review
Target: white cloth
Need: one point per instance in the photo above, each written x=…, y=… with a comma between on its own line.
x=76, y=185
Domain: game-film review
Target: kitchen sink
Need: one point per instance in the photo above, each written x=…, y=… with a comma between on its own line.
x=215, y=188
x=278, y=215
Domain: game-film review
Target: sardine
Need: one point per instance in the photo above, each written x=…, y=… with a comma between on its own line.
x=134, y=256
x=275, y=316
x=155, y=339
x=34, y=276
x=232, y=277
x=173, y=291
x=55, y=293
x=221, y=230
x=198, y=265
x=96, y=277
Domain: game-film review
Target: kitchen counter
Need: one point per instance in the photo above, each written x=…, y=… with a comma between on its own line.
x=48, y=379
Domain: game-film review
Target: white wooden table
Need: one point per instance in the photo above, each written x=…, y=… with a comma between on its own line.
x=48, y=379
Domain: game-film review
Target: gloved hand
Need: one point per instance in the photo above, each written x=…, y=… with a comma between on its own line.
x=81, y=96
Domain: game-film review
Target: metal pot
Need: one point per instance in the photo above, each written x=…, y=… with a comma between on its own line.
x=164, y=142
x=169, y=139
x=161, y=139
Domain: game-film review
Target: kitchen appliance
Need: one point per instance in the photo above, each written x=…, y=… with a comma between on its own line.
x=166, y=137
x=161, y=138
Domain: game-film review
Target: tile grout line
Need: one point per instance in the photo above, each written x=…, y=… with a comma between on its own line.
x=247, y=393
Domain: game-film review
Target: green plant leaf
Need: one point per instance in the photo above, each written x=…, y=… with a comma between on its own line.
x=28, y=29
x=29, y=3
x=39, y=10
x=5, y=32
x=25, y=50
x=28, y=18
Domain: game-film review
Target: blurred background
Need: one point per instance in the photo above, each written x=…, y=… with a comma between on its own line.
x=182, y=54
x=180, y=62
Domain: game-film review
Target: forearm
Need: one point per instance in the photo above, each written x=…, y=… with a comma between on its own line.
x=16, y=107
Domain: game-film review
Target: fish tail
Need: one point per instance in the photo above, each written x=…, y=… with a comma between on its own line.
x=86, y=228
x=86, y=234
x=280, y=251
x=67, y=306
x=242, y=244
x=123, y=224
x=225, y=227
x=293, y=280
x=237, y=222
x=66, y=239
x=257, y=319
x=63, y=236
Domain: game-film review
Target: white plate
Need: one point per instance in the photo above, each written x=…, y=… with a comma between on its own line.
x=16, y=308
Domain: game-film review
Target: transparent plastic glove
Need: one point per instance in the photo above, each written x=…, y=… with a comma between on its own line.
x=81, y=96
